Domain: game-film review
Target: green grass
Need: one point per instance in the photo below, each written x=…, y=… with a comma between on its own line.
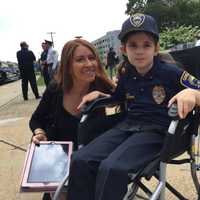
x=40, y=81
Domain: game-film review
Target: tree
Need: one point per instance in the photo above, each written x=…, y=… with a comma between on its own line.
x=168, y=13
x=183, y=34
x=178, y=20
x=134, y=6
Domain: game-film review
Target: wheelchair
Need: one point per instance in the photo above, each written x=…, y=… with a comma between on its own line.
x=181, y=137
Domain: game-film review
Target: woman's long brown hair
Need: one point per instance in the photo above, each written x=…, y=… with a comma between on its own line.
x=63, y=76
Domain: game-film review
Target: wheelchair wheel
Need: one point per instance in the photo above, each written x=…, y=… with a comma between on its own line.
x=195, y=164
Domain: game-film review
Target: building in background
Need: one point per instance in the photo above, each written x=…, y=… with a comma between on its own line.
x=104, y=43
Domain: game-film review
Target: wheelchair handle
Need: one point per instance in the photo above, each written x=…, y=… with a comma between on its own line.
x=173, y=111
x=90, y=106
x=83, y=118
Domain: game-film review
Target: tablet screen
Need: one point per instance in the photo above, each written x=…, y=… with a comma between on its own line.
x=49, y=163
x=45, y=166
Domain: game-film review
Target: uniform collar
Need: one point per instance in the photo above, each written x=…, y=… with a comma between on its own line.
x=149, y=75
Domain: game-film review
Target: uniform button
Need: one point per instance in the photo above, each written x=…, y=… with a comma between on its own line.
x=141, y=89
x=150, y=77
x=134, y=77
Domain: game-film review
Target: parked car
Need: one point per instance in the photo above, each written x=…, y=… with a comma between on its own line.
x=9, y=74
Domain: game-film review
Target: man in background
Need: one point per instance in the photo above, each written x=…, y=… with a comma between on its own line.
x=26, y=59
x=52, y=58
x=43, y=64
x=111, y=61
x=198, y=40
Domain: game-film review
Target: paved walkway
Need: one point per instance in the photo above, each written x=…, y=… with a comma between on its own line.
x=14, y=139
x=9, y=92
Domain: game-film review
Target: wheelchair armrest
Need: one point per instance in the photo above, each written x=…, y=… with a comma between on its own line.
x=92, y=126
x=100, y=102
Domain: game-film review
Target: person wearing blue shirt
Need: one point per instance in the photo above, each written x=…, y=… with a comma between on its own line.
x=99, y=171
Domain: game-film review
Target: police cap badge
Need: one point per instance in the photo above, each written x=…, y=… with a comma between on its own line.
x=137, y=20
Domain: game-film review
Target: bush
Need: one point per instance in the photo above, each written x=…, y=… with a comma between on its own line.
x=183, y=34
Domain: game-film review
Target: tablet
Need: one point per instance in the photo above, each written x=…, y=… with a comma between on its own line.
x=45, y=166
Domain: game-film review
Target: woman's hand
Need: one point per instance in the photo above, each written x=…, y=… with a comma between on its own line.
x=90, y=97
x=39, y=136
x=186, y=100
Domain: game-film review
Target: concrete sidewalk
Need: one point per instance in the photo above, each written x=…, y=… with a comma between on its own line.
x=14, y=139
x=9, y=92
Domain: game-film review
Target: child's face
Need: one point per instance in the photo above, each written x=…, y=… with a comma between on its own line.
x=140, y=49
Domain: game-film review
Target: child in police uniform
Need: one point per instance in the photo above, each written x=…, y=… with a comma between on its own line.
x=100, y=169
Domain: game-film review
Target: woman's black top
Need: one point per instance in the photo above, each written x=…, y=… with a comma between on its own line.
x=51, y=116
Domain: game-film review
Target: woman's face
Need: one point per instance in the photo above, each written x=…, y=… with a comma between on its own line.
x=140, y=49
x=84, y=65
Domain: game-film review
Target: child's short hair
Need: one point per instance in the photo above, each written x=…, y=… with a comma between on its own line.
x=139, y=22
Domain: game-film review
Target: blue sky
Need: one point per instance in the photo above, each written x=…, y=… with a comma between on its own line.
x=31, y=20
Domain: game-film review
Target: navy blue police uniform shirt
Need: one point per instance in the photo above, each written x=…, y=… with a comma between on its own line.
x=147, y=96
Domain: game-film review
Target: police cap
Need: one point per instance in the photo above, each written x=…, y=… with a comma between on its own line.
x=48, y=42
x=139, y=22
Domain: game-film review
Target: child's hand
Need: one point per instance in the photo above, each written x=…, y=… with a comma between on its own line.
x=186, y=101
x=90, y=97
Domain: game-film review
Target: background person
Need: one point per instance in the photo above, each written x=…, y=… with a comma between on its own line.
x=52, y=58
x=26, y=59
x=147, y=83
x=111, y=61
x=43, y=63
x=198, y=40
x=80, y=72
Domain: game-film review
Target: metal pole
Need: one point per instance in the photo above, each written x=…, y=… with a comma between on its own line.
x=51, y=33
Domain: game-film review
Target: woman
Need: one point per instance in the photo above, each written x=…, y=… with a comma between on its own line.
x=80, y=72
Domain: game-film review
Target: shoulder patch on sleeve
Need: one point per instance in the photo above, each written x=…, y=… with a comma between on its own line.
x=189, y=81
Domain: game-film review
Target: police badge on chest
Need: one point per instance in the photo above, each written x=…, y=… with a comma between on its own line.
x=158, y=94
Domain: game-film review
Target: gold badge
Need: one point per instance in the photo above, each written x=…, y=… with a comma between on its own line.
x=158, y=94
